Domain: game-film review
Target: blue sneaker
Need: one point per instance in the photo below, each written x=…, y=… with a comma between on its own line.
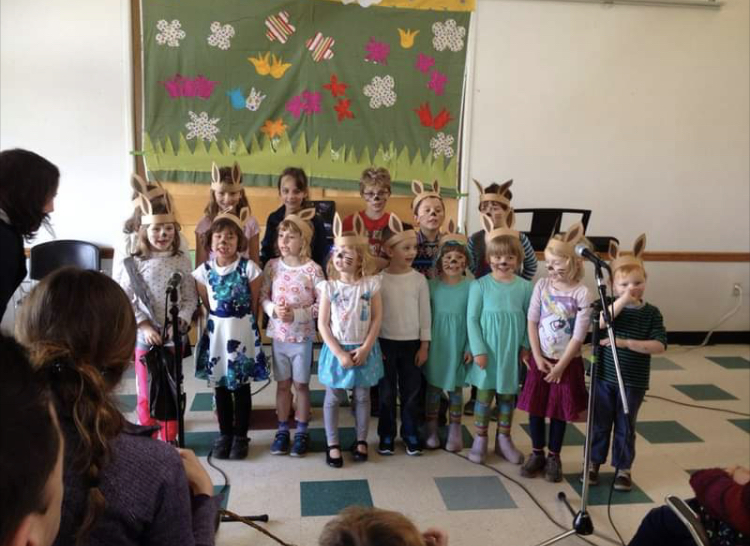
x=280, y=445
x=385, y=447
x=299, y=447
x=413, y=446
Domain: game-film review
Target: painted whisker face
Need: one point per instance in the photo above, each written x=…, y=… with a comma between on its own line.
x=453, y=263
x=376, y=197
x=494, y=209
x=345, y=259
x=431, y=213
x=505, y=265
x=557, y=268
x=224, y=243
x=160, y=236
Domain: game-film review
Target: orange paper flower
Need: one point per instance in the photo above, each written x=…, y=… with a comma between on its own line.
x=273, y=128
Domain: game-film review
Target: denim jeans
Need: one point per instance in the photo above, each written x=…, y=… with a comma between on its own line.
x=402, y=377
x=608, y=413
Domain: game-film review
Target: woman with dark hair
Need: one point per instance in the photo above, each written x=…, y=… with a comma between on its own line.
x=122, y=487
x=28, y=185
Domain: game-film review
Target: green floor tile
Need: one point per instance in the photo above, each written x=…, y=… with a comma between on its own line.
x=704, y=391
x=731, y=362
x=318, y=395
x=599, y=494
x=203, y=401
x=126, y=402
x=743, y=424
x=317, y=444
x=665, y=432
x=200, y=442
x=328, y=498
x=474, y=493
x=225, y=500
x=661, y=363
x=573, y=436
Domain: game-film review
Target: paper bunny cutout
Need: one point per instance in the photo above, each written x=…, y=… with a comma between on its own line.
x=147, y=208
x=421, y=193
x=359, y=238
x=397, y=227
x=239, y=220
x=217, y=184
x=505, y=228
x=565, y=245
x=140, y=186
x=619, y=259
x=302, y=220
x=452, y=235
x=503, y=196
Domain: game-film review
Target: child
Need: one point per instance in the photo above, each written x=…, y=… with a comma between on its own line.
x=498, y=305
x=375, y=189
x=229, y=353
x=429, y=215
x=147, y=272
x=449, y=348
x=404, y=338
x=226, y=193
x=640, y=333
x=288, y=298
x=293, y=190
x=349, y=322
x=558, y=320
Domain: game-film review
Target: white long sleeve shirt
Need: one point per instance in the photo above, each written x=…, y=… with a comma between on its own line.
x=406, y=307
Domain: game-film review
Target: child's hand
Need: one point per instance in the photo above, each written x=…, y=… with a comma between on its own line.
x=542, y=364
x=555, y=374
x=481, y=361
x=150, y=334
x=524, y=355
x=467, y=358
x=435, y=537
x=359, y=355
x=421, y=357
x=628, y=298
x=198, y=479
x=346, y=360
x=619, y=342
x=284, y=312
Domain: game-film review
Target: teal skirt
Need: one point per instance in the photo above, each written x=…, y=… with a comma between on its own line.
x=332, y=374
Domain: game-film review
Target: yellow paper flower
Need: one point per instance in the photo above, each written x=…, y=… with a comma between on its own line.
x=278, y=67
x=261, y=64
x=407, y=37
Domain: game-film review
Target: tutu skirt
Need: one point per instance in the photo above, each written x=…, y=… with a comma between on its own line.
x=565, y=401
x=332, y=374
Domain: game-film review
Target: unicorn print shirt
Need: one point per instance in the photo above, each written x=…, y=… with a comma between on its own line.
x=351, y=307
x=561, y=315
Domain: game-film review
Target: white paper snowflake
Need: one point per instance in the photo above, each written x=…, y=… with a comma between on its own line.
x=363, y=3
x=201, y=127
x=448, y=35
x=441, y=144
x=220, y=35
x=171, y=33
x=381, y=93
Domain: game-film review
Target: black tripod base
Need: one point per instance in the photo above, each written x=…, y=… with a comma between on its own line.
x=582, y=523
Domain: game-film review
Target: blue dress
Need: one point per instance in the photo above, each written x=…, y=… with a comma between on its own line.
x=229, y=353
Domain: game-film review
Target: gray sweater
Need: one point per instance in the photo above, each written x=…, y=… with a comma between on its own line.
x=148, y=500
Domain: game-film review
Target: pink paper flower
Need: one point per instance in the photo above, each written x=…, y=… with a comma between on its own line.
x=424, y=63
x=377, y=52
x=437, y=82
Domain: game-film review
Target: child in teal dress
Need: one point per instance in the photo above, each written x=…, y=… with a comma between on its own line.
x=449, y=351
x=498, y=305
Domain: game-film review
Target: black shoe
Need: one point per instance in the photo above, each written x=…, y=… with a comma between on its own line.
x=280, y=445
x=593, y=474
x=222, y=445
x=413, y=446
x=335, y=462
x=299, y=447
x=357, y=455
x=385, y=447
x=240, y=447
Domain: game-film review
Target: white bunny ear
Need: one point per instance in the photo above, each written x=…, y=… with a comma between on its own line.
x=337, y=231
x=215, y=174
x=359, y=225
x=244, y=215
x=487, y=223
x=639, y=246
x=236, y=174
x=417, y=187
x=614, y=249
x=307, y=214
x=574, y=233
x=451, y=226
x=436, y=186
x=395, y=224
x=478, y=185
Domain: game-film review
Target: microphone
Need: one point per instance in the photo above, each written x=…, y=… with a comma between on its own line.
x=583, y=251
x=174, y=281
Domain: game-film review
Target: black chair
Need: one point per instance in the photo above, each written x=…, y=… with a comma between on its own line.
x=547, y=222
x=689, y=519
x=47, y=257
x=326, y=210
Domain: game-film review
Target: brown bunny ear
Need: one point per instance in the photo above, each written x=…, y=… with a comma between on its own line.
x=639, y=246
x=144, y=204
x=337, y=225
x=478, y=185
x=451, y=226
x=509, y=219
x=244, y=215
x=307, y=214
x=236, y=174
x=395, y=224
x=505, y=187
x=417, y=187
x=487, y=223
x=436, y=187
x=359, y=225
x=215, y=174
x=614, y=249
x=574, y=233
x=138, y=183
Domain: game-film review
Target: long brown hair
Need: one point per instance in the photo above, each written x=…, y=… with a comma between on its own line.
x=212, y=208
x=80, y=329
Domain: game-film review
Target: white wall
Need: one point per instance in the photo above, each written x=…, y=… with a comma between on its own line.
x=639, y=113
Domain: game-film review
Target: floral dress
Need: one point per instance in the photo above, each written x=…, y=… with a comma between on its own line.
x=229, y=353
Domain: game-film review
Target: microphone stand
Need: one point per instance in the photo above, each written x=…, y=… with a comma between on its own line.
x=180, y=402
x=582, y=523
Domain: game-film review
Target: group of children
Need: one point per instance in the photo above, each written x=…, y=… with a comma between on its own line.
x=398, y=311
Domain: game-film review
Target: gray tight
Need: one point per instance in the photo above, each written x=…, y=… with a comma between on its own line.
x=331, y=412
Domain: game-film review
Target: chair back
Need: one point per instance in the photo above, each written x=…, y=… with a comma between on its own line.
x=47, y=257
x=326, y=210
x=546, y=222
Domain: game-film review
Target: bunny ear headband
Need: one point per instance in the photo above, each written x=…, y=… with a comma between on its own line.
x=147, y=210
x=302, y=220
x=217, y=184
x=239, y=221
x=360, y=233
x=505, y=227
x=140, y=186
x=397, y=227
x=501, y=197
x=421, y=193
x=566, y=245
x=636, y=258
x=453, y=236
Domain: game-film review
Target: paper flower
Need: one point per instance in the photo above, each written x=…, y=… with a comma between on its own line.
x=273, y=128
x=437, y=82
x=170, y=33
x=220, y=35
x=321, y=47
x=363, y=3
x=200, y=126
x=377, y=52
x=425, y=117
x=254, y=99
x=381, y=93
x=276, y=69
x=279, y=27
x=448, y=35
x=424, y=63
x=441, y=144
x=236, y=98
x=307, y=102
x=441, y=120
x=336, y=87
x=200, y=87
x=342, y=109
x=407, y=37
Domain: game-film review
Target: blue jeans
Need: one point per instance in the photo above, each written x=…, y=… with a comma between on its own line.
x=608, y=412
x=401, y=376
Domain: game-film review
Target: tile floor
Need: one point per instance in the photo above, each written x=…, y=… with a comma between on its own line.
x=475, y=504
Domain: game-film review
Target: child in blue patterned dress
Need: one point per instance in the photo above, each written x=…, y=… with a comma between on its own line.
x=349, y=323
x=229, y=354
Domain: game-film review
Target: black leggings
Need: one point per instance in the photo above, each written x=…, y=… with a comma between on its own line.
x=556, y=433
x=233, y=409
